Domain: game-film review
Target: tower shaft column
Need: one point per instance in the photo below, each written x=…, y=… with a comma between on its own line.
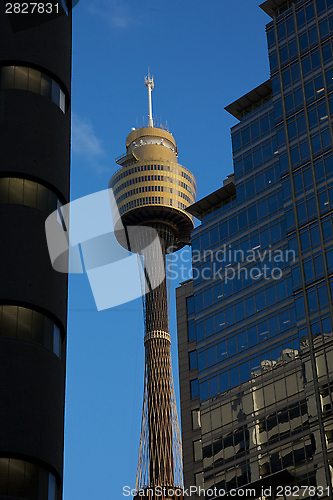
x=157, y=359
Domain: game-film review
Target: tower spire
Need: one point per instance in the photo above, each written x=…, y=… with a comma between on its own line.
x=149, y=81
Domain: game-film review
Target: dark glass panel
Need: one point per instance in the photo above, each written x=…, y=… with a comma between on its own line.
x=316, y=144
x=21, y=78
x=190, y=305
x=30, y=193
x=309, y=10
x=236, y=141
x=34, y=80
x=307, y=175
x=295, y=73
x=305, y=152
x=191, y=332
x=255, y=131
x=298, y=97
x=56, y=93
x=284, y=55
x=290, y=25
x=327, y=52
x=275, y=87
x=300, y=18
x=329, y=165
x=315, y=59
x=306, y=65
x=16, y=478
x=7, y=77
x=270, y=38
x=194, y=388
x=321, y=7
x=289, y=103
x=32, y=480
x=313, y=36
x=193, y=360
x=292, y=130
x=264, y=125
x=222, y=351
x=202, y=360
x=303, y=41
x=4, y=189
x=292, y=49
x=273, y=62
x=213, y=386
x=298, y=183
x=234, y=377
x=326, y=138
x=319, y=169
x=245, y=133
x=281, y=28
x=46, y=86
x=324, y=29
x=313, y=119
x=24, y=323
x=212, y=356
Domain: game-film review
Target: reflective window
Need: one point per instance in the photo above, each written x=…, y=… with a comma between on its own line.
x=26, y=480
x=190, y=305
x=194, y=388
x=22, y=323
x=196, y=419
x=32, y=80
x=28, y=193
x=197, y=450
x=193, y=360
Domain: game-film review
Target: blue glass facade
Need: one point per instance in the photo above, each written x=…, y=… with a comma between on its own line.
x=259, y=321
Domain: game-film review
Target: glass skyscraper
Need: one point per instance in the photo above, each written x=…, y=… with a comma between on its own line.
x=255, y=324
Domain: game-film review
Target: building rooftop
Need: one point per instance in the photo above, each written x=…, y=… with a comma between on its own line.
x=199, y=208
x=272, y=6
x=252, y=99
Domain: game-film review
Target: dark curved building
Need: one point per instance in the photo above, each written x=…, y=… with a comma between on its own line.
x=35, y=79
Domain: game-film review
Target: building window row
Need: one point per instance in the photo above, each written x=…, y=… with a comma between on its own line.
x=262, y=153
x=27, y=481
x=310, y=238
x=266, y=360
x=146, y=189
x=28, y=193
x=32, y=80
x=151, y=200
x=226, y=282
x=253, y=240
x=246, y=340
x=258, y=331
x=148, y=178
x=142, y=168
x=27, y=324
x=254, y=185
x=219, y=209
x=253, y=132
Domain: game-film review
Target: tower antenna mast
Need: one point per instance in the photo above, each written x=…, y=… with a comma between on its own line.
x=149, y=81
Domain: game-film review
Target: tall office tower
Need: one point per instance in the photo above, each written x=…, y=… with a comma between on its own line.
x=152, y=191
x=35, y=73
x=255, y=326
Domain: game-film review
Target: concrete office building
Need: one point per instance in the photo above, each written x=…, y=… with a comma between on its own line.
x=255, y=325
x=35, y=79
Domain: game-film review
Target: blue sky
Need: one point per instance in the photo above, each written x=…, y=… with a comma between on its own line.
x=203, y=56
